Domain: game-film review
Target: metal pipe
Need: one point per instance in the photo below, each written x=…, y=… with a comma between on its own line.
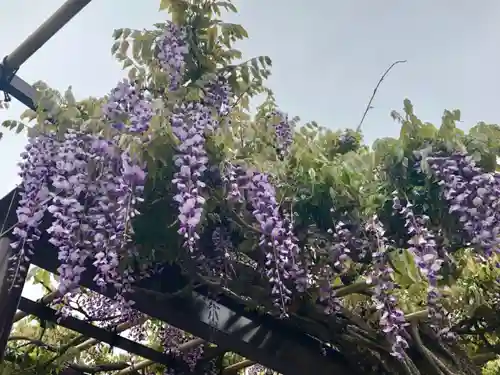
x=44, y=32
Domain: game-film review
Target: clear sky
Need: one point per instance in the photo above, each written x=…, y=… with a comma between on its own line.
x=328, y=56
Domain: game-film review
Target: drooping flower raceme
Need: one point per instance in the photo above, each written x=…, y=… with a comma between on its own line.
x=129, y=108
x=392, y=320
x=70, y=231
x=219, y=265
x=218, y=96
x=172, y=338
x=283, y=261
x=424, y=250
x=87, y=181
x=37, y=168
x=326, y=292
x=283, y=132
x=190, y=122
x=340, y=253
x=273, y=238
x=235, y=179
x=473, y=196
x=297, y=267
x=173, y=48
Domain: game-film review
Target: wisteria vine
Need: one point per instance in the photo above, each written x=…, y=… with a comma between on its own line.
x=93, y=186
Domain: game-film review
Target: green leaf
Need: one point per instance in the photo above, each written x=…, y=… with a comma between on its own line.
x=127, y=63
x=405, y=267
x=69, y=97
x=20, y=127
x=126, y=33
x=124, y=47
x=245, y=75
x=115, y=47
x=117, y=33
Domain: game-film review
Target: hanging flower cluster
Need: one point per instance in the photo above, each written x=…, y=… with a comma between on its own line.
x=340, y=252
x=338, y=255
x=326, y=292
x=37, y=167
x=279, y=248
x=424, y=250
x=97, y=191
x=91, y=188
x=473, y=198
x=190, y=124
x=297, y=268
x=219, y=265
x=392, y=319
x=218, y=95
x=283, y=260
x=173, y=48
x=283, y=132
x=128, y=108
x=172, y=338
x=235, y=179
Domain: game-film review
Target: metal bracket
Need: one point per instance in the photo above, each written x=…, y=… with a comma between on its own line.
x=6, y=76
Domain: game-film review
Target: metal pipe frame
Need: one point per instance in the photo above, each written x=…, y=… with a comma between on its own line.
x=44, y=32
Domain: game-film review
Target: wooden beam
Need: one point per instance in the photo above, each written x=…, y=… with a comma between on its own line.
x=87, y=329
x=10, y=293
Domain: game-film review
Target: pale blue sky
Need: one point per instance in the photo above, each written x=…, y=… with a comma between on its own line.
x=328, y=55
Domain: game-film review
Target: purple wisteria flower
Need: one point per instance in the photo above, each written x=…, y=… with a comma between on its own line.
x=392, y=319
x=190, y=123
x=172, y=338
x=236, y=179
x=218, y=96
x=278, y=247
x=283, y=132
x=425, y=253
x=326, y=292
x=173, y=48
x=129, y=108
x=473, y=198
x=283, y=256
x=91, y=189
x=37, y=168
x=224, y=249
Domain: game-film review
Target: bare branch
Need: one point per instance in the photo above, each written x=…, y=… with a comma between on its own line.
x=369, y=105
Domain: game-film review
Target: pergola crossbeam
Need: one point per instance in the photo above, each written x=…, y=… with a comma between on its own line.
x=46, y=313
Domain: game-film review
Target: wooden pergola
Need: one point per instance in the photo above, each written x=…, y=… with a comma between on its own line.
x=274, y=343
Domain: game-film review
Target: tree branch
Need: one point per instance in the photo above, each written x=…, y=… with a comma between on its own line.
x=369, y=105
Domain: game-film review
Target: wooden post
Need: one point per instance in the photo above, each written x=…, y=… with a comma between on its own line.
x=9, y=297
